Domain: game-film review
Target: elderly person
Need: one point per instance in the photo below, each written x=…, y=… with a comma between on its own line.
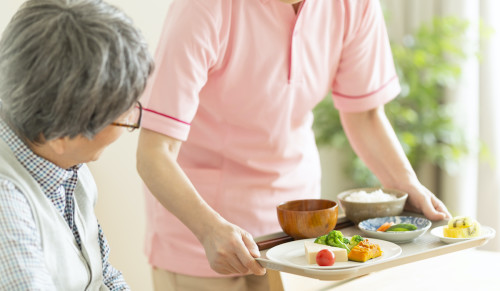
x=71, y=73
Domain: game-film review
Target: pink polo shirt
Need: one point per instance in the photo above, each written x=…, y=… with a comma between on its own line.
x=236, y=80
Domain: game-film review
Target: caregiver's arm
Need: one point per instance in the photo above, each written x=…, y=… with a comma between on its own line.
x=229, y=249
x=374, y=141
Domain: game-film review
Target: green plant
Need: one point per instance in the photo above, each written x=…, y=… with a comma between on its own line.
x=426, y=63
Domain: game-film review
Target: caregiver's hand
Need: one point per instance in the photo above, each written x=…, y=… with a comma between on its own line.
x=230, y=249
x=421, y=200
x=373, y=139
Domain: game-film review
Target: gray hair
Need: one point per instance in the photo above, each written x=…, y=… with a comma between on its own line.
x=69, y=68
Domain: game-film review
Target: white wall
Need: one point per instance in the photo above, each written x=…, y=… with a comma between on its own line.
x=120, y=208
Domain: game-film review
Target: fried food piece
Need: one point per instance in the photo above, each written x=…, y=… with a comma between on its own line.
x=364, y=251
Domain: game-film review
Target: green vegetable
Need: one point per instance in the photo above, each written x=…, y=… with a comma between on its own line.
x=321, y=239
x=336, y=239
x=355, y=240
x=402, y=227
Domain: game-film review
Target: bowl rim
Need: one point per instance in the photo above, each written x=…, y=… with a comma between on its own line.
x=278, y=207
x=342, y=195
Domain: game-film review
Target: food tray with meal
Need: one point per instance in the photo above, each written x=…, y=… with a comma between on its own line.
x=372, y=235
x=298, y=256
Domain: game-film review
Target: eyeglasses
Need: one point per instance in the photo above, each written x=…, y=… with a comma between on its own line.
x=133, y=121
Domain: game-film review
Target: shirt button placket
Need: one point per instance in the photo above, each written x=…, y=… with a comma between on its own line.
x=294, y=55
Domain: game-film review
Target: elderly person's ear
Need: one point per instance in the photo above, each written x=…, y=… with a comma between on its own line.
x=58, y=145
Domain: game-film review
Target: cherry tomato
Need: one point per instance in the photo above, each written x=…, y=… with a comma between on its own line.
x=325, y=257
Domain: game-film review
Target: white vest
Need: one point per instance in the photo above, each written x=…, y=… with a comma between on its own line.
x=69, y=268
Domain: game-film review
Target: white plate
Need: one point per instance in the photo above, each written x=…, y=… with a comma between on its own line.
x=486, y=232
x=293, y=253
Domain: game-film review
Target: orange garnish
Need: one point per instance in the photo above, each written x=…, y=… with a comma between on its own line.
x=385, y=226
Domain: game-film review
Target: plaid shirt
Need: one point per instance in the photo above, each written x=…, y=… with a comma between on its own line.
x=21, y=256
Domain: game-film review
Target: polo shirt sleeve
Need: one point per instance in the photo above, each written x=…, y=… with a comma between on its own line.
x=186, y=50
x=366, y=77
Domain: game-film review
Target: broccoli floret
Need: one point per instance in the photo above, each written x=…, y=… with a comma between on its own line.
x=336, y=239
x=321, y=239
x=355, y=240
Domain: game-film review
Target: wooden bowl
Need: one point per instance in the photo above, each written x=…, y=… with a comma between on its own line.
x=307, y=218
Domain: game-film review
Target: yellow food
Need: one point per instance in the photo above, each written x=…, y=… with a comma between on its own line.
x=460, y=221
x=364, y=251
x=313, y=248
x=462, y=227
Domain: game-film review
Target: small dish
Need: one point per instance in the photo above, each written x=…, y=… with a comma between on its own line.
x=486, y=232
x=369, y=227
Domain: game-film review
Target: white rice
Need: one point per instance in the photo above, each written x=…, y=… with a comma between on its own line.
x=375, y=196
